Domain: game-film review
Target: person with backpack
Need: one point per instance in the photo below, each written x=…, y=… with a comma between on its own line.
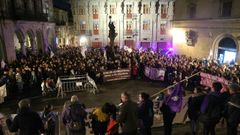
x=146, y=113
x=212, y=109
x=74, y=116
x=233, y=110
x=49, y=120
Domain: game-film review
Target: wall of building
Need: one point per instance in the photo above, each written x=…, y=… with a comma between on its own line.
x=209, y=26
x=27, y=24
x=129, y=24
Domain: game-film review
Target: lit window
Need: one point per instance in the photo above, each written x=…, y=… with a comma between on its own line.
x=112, y=9
x=83, y=27
x=95, y=28
x=163, y=11
x=129, y=27
x=129, y=11
x=81, y=10
x=163, y=29
x=146, y=9
x=146, y=25
x=95, y=11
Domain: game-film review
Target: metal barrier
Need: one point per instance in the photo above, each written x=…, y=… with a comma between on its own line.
x=67, y=84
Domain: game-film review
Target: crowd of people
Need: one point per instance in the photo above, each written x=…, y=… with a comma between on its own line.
x=25, y=76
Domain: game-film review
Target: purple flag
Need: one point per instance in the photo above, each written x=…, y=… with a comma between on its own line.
x=174, y=101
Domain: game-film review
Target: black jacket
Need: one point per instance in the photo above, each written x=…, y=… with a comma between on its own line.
x=194, y=105
x=233, y=112
x=146, y=113
x=129, y=116
x=27, y=122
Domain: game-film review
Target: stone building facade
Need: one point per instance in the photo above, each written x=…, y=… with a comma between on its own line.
x=64, y=22
x=207, y=29
x=138, y=23
x=26, y=26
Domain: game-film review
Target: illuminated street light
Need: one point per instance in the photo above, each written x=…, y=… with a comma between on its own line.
x=178, y=35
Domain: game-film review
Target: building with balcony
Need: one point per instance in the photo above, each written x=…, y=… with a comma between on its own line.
x=26, y=26
x=64, y=22
x=207, y=29
x=138, y=23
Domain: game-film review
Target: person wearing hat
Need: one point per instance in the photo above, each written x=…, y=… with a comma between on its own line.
x=233, y=109
x=26, y=121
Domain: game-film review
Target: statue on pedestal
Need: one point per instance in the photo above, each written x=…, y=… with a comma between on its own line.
x=112, y=33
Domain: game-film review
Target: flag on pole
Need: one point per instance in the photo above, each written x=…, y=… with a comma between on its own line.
x=3, y=64
x=174, y=101
x=51, y=54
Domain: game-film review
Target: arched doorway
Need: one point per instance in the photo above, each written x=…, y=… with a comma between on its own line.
x=2, y=53
x=30, y=42
x=51, y=38
x=39, y=41
x=227, y=50
x=18, y=39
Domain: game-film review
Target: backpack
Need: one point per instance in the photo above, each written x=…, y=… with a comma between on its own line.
x=76, y=118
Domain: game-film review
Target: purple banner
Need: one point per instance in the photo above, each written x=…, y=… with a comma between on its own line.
x=154, y=73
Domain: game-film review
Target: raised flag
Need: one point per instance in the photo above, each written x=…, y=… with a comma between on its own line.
x=3, y=64
x=174, y=101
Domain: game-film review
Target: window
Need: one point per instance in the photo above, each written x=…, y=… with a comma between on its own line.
x=46, y=7
x=83, y=27
x=146, y=9
x=95, y=11
x=163, y=11
x=129, y=27
x=95, y=28
x=191, y=10
x=146, y=25
x=163, y=29
x=129, y=11
x=226, y=8
x=112, y=9
x=81, y=10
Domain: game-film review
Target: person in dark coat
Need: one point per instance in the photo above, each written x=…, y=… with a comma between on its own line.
x=26, y=121
x=212, y=109
x=168, y=115
x=49, y=119
x=233, y=110
x=128, y=115
x=194, y=105
x=146, y=113
x=74, y=116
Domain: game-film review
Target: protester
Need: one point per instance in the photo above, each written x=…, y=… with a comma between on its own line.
x=146, y=113
x=1, y=124
x=128, y=115
x=172, y=103
x=233, y=110
x=74, y=116
x=194, y=105
x=49, y=119
x=27, y=122
x=100, y=121
x=212, y=109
